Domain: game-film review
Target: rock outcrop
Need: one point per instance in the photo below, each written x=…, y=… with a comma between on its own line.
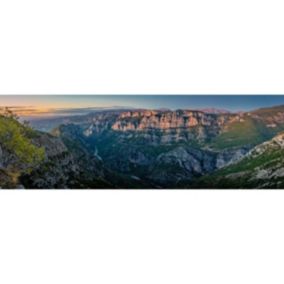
x=152, y=149
x=261, y=167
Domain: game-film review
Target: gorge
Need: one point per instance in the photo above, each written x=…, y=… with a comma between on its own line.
x=148, y=148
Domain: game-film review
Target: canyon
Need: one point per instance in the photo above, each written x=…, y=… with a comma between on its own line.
x=143, y=148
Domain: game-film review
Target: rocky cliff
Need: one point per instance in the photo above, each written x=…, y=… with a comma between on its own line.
x=261, y=167
x=146, y=149
x=156, y=126
x=159, y=147
x=33, y=159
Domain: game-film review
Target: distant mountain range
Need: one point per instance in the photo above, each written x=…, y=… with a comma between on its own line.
x=214, y=110
x=141, y=148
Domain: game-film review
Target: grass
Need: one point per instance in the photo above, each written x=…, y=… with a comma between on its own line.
x=244, y=171
x=248, y=132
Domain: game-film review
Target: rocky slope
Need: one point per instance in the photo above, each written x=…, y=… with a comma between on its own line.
x=261, y=167
x=148, y=149
x=223, y=130
x=158, y=147
x=174, y=126
x=32, y=159
x=171, y=148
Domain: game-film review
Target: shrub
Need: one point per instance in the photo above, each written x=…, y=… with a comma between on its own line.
x=15, y=138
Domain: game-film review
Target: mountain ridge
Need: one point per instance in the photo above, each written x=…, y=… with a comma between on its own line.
x=261, y=167
x=143, y=148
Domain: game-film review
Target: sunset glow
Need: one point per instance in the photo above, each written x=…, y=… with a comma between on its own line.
x=56, y=105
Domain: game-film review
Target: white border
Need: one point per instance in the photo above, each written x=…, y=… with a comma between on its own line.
x=141, y=47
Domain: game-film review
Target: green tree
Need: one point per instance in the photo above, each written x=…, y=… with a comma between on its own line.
x=16, y=139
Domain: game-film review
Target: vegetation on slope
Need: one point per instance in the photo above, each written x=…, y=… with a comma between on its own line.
x=249, y=131
x=261, y=171
x=21, y=155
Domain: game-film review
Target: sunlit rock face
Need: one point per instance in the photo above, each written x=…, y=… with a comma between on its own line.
x=156, y=126
x=163, y=120
x=157, y=149
x=160, y=148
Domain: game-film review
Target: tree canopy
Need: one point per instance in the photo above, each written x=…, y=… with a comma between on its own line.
x=17, y=139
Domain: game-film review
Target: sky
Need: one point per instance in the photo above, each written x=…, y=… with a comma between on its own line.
x=74, y=104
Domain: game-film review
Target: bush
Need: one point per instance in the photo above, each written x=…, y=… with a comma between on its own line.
x=15, y=138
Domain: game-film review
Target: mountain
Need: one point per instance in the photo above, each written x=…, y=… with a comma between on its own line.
x=141, y=148
x=215, y=110
x=261, y=167
x=34, y=159
x=171, y=148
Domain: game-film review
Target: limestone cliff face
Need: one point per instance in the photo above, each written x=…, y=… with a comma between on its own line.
x=163, y=120
x=156, y=126
x=261, y=167
x=53, y=146
x=67, y=164
x=166, y=120
x=276, y=143
x=184, y=163
x=155, y=149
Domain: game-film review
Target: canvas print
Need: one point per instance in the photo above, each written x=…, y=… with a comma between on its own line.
x=142, y=142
